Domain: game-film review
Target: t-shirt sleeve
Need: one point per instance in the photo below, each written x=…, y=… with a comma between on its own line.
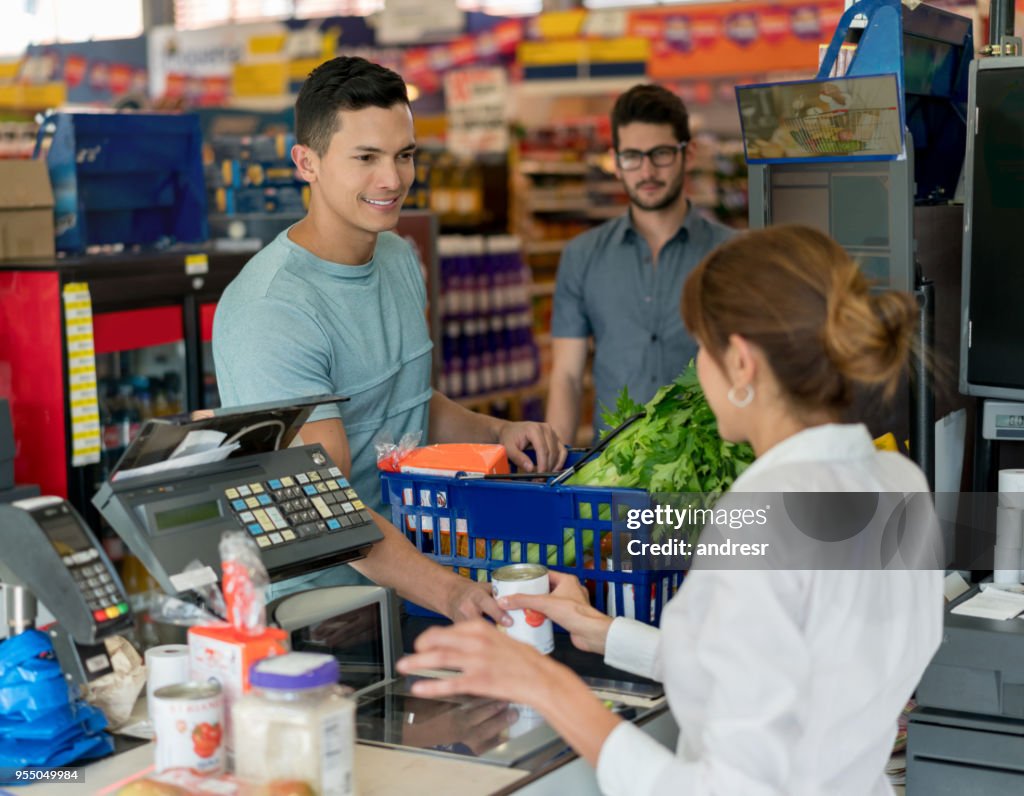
x=569, y=313
x=269, y=350
x=418, y=273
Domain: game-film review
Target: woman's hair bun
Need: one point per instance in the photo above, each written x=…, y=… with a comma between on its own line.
x=868, y=335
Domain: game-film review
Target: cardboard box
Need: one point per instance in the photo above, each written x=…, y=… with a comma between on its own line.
x=26, y=210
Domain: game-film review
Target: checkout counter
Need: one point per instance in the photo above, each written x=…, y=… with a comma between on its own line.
x=185, y=481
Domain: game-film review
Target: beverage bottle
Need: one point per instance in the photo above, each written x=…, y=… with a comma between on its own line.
x=487, y=356
x=456, y=384
x=471, y=359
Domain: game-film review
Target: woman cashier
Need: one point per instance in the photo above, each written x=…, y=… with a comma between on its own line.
x=781, y=682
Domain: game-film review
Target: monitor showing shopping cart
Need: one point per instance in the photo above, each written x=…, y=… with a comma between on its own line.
x=846, y=118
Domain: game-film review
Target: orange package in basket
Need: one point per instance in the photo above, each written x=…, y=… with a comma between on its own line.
x=454, y=458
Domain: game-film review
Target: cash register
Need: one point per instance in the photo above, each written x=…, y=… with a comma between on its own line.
x=185, y=480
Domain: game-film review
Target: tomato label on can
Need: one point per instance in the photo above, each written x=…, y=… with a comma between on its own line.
x=188, y=724
x=529, y=626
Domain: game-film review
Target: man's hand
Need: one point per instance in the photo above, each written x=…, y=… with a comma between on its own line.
x=516, y=437
x=567, y=605
x=468, y=599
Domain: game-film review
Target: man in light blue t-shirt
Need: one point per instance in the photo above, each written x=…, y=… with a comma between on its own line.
x=336, y=305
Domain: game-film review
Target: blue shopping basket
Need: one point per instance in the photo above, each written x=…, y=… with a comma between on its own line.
x=475, y=525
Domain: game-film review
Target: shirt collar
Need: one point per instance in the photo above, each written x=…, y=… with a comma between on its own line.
x=827, y=443
x=626, y=229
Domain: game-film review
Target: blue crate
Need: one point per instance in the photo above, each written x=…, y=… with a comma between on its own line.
x=494, y=523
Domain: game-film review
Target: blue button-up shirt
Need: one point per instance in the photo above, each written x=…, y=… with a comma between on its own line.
x=608, y=287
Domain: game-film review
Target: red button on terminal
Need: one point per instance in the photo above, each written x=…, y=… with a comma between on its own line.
x=99, y=615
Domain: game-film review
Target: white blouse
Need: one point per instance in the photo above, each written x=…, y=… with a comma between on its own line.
x=783, y=682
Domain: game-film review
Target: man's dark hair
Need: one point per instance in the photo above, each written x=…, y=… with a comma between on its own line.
x=346, y=83
x=650, y=104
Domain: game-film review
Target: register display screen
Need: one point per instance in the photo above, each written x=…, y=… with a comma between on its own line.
x=186, y=515
x=354, y=638
x=65, y=534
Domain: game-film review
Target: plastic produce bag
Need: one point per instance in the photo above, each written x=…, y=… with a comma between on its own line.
x=245, y=582
x=390, y=455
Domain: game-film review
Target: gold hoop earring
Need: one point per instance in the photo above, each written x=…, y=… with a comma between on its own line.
x=739, y=403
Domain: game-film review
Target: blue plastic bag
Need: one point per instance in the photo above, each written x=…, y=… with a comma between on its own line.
x=40, y=724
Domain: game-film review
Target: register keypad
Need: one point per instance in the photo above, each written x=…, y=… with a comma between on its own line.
x=301, y=506
x=98, y=588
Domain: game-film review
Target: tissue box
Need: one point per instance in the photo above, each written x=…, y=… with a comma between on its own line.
x=222, y=653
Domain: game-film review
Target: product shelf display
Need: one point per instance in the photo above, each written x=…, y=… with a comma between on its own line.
x=149, y=321
x=486, y=325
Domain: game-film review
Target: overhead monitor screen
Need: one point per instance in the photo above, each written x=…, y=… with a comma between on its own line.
x=835, y=119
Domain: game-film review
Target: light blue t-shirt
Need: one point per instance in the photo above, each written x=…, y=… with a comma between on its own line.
x=292, y=325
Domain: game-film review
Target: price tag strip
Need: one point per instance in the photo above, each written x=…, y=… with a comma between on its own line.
x=82, y=397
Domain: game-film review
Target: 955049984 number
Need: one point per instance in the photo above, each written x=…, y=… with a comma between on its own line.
x=32, y=774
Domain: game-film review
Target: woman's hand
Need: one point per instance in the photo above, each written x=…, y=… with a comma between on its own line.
x=491, y=664
x=568, y=605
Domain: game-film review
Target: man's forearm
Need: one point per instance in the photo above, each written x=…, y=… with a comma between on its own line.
x=563, y=412
x=395, y=563
x=452, y=422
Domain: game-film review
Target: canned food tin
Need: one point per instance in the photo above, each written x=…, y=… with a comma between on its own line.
x=528, y=626
x=188, y=723
x=527, y=720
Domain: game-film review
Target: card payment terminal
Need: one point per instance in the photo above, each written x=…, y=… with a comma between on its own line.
x=51, y=554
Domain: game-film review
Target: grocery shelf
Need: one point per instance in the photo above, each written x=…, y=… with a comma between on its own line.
x=574, y=87
x=574, y=193
x=575, y=205
x=612, y=211
x=566, y=167
x=511, y=394
x=545, y=246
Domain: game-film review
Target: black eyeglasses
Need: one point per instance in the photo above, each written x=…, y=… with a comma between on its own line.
x=631, y=159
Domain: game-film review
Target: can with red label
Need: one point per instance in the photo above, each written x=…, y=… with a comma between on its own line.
x=528, y=626
x=188, y=722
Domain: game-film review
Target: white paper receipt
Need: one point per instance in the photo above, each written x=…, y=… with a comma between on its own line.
x=992, y=604
x=194, y=579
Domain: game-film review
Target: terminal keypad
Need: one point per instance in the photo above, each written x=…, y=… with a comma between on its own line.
x=300, y=506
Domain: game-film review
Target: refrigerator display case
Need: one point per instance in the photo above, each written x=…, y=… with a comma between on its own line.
x=151, y=326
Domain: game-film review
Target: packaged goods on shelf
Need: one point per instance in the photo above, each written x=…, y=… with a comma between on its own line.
x=456, y=191
x=253, y=174
x=486, y=320
x=17, y=140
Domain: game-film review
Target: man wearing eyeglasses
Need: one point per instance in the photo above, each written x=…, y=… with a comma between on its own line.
x=621, y=282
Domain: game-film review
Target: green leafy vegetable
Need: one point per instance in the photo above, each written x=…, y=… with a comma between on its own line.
x=674, y=448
